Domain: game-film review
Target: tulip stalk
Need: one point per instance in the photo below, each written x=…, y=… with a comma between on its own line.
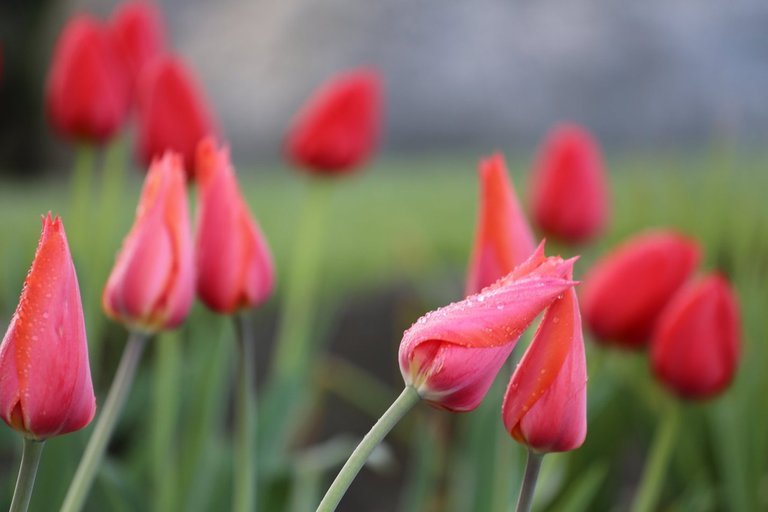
x=532, y=467
x=404, y=403
x=30, y=459
x=105, y=425
x=81, y=182
x=245, y=418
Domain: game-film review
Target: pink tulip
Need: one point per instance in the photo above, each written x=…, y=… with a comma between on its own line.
x=45, y=379
x=569, y=191
x=545, y=406
x=234, y=265
x=696, y=343
x=503, y=237
x=151, y=286
x=452, y=355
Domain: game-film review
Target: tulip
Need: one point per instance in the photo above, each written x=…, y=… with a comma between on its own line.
x=151, y=286
x=234, y=265
x=138, y=29
x=88, y=90
x=569, y=194
x=624, y=293
x=451, y=356
x=45, y=379
x=503, y=238
x=696, y=343
x=545, y=406
x=173, y=114
x=337, y=129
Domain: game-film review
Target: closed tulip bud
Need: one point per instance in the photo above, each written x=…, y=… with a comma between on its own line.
x=452, y=355
x=138, y=30
x=173, y=115
x=545, y=406
x=234, y=265
x=569, y=193
x=625, y=291
x=151, y=286
x=338, y=128
x=45, y=379
x=503, y=237
x=696, y=344
x=88, y=91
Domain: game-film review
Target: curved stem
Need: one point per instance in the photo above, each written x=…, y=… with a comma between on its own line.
x=532, y=467
x=30, y=458
x=86, y=471
x=245, y=418
x=407, y=399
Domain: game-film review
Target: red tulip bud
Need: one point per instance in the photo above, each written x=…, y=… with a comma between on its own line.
x=138, y=29
x=569, y=194
x=452, y=355
x=234, y=265
x=625, y=291
x=151, y=286
x=695, y=347
x=45, y=379
x=503, y=237
x=88, y=90
x=338, y=128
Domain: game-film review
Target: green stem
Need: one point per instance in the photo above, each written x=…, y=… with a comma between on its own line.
x=97, y=444
x=80, y=190
x=532, y=467
x=245, y=418
x=656, y=465
x=30, y=458
x=407, y=399
x=163, y=431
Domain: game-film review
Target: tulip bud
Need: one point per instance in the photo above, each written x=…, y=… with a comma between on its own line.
x=452, y=355
x=625, y=291
x=696, y=344
x=234, y=265
x=503, y=238
x=138, y=30
x=88, y=92
x=45, y=379
x=545, y=406
x=173, y=115
x=338, y=128
x=569, y=193
x=151, y=286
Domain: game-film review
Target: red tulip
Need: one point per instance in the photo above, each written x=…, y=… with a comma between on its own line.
x=45, y=379
x=151, y=286
x=503, y=238
x=138, y=29
x=569, y=194
x=337, y=129
x=545, y=406
x=452, y=355
x=87, y=94
x=625, y=291
x=234, y=265
x=695, y=347
x=172, y=112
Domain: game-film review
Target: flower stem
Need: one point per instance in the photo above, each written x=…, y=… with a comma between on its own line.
x=86, y=471
x=656, y=465
x=532, y=467
x=80, y=194
x=245, y=418
x=30, y=458
x=407, y=399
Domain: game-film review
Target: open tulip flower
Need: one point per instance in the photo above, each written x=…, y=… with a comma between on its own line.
x=234, y=264
x=137, y=27
x=452, y=355
x=696, y=343
x=88, y=91
x=624, y=292
x=569, y=192
x=151, y=286
x=338, y=128
x=503, y=238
